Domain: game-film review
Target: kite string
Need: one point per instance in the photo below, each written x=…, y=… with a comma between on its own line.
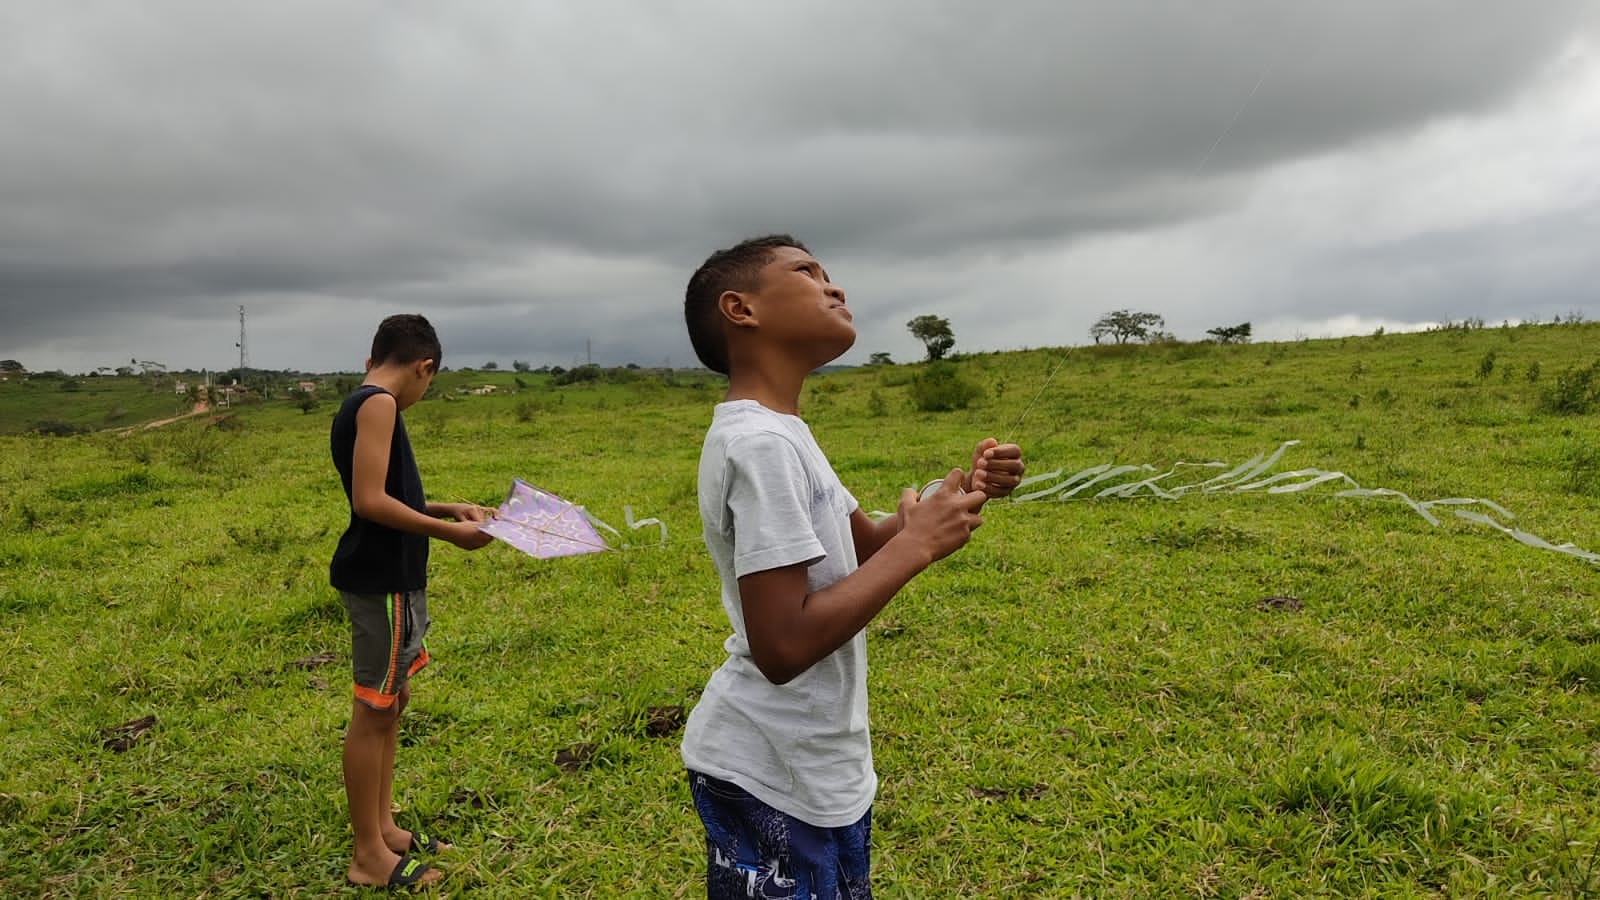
x=1265, y=69
x=1049, y=378
x=1261, y=78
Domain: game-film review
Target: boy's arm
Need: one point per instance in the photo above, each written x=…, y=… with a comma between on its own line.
x=869, y=535
x=369, y=470
x=790, y=630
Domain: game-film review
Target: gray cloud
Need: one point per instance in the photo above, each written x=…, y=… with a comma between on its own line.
x=536, y=176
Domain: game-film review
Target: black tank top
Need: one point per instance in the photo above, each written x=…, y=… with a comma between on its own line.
x=373, y=558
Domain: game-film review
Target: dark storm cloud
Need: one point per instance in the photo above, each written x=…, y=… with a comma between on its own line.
x=544, y=176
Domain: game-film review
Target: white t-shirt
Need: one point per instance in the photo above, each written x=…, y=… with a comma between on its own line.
x=769, y=499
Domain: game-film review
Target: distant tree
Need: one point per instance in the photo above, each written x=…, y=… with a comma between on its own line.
x=1124, y=325
x=934, y=333
x=519, y=365
x=490, y=366
x=11, y=367
x=880, y=359
x=585, y=372
x=1231, y=334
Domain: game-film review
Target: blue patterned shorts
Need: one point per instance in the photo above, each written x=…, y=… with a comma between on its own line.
x=753, y=850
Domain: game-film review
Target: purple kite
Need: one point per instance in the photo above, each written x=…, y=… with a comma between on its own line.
x=543, y=525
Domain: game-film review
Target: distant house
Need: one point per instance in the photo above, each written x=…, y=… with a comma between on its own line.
x=179, y=387
x=307, y=386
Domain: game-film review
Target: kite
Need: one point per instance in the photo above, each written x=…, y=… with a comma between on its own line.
x=545, y=526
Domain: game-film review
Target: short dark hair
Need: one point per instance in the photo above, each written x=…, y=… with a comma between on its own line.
x=406, y=338
x=733, y=269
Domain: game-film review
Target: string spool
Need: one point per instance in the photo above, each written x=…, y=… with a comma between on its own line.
x=932, y=487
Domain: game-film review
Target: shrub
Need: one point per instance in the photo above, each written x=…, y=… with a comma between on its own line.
x=526, y=410
x=940, y=388
x=1582, y=464
x=53, y=428
x=587, y=372
x=195, y=448
x=1574, y=392
x=100, y=487
x=898, y=376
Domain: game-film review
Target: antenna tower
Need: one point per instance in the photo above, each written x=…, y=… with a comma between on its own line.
x=243, y=356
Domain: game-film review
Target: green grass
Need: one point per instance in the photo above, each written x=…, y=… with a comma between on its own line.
x=78, y=404
x=1089, y=700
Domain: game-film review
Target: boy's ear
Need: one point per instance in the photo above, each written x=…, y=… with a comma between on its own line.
x=426, y=367
x=367, y=366
x=737, y=309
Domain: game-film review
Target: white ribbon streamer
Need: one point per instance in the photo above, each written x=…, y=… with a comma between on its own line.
x=1251, y=475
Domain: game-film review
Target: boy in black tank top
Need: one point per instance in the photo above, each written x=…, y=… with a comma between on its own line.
x=380, y=570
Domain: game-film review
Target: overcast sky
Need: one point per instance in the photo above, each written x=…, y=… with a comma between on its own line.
x=540, y=179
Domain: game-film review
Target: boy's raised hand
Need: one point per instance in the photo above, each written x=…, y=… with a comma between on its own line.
x=996, y=468
x=944, y=521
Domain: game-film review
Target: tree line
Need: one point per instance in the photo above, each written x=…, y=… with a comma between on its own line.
x=1120, y=326
x=937, y=336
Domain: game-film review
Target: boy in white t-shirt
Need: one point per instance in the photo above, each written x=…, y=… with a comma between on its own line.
x=778, y=750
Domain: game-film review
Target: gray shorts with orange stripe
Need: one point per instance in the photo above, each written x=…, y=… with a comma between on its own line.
x=386, y=642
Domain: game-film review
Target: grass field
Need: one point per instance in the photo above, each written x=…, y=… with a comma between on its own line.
x=1095, y=698
x=73, y=404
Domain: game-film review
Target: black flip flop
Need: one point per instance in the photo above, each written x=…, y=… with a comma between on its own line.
x=407, y=872
x=423, y=842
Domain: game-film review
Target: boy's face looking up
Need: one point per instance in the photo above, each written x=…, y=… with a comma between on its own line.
x=794, y=305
